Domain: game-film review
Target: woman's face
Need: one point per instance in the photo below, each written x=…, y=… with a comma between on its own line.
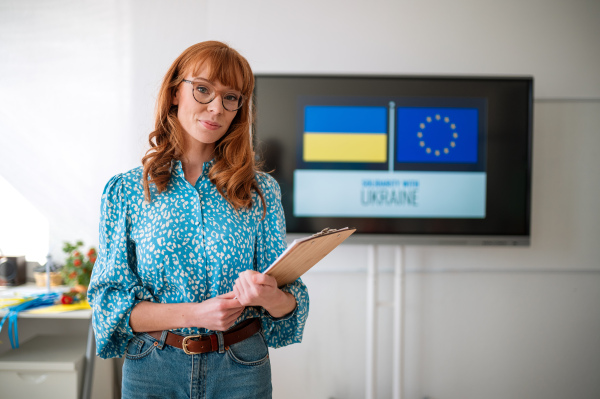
x=203, y=123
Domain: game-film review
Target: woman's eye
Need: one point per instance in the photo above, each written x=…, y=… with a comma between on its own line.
x=231, y=97
x=203, y=89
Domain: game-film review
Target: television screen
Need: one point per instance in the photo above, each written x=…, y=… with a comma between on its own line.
x=404, y=159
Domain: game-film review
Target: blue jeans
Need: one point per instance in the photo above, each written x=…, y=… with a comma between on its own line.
x=153, y=369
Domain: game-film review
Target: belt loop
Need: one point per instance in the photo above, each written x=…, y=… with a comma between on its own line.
x=221, y=342
x=163, y=338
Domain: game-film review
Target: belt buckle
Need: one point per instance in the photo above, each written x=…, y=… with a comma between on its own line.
x=184, y=344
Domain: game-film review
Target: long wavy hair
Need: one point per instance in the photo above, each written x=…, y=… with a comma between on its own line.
x=233, y=172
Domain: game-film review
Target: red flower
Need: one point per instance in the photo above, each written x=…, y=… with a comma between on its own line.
x=93, y=259
x=91, y=253
x=77, y=262
x=66, y=300
x=76, y=253
x=73, y=275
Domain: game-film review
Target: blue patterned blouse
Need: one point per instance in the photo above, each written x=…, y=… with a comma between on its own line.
x=187, y=245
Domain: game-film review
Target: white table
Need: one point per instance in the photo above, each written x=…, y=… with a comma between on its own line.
x=85, y=314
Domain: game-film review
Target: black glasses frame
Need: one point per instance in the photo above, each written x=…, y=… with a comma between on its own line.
x=243, y=98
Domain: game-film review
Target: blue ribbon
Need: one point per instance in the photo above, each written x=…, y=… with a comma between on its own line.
x=13, y=312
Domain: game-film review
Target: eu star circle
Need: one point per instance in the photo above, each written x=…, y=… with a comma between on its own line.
x=437, y=135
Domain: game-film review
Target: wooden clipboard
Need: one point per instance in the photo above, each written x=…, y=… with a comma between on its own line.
x=304, y=253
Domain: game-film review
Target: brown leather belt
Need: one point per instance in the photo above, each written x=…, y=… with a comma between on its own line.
x=193, y=344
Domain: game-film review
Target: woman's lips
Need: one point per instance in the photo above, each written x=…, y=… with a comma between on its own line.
x=210, y=125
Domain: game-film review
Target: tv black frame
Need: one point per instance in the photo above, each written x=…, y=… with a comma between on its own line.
x=521, y=237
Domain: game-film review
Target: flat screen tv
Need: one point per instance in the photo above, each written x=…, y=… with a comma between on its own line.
x=404, y=159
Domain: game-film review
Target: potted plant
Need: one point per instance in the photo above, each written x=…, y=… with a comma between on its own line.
x=78, y=267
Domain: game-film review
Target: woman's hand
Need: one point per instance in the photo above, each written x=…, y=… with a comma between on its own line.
x=256, y=289
x=218, y=313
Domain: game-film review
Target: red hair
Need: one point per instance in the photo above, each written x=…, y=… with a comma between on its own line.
x=234, y=170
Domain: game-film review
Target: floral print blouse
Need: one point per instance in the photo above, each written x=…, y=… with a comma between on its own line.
x=187, y=245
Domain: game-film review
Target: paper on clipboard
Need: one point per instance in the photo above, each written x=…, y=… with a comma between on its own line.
x=304, y=253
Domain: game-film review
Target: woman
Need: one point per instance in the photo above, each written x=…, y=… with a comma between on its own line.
x=177, y=286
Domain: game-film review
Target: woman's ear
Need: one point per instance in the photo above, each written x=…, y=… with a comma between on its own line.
x=175, y=100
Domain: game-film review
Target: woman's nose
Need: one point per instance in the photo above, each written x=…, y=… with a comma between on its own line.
x=216, y=105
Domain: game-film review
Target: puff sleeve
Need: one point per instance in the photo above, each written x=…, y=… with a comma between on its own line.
x=115, y=287
x=270, y=244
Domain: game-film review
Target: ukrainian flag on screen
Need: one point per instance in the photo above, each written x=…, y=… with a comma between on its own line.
x=345, y=134
x=442, y=135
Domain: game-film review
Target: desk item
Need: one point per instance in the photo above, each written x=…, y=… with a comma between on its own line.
x=61, y=308
x=13, y=270
x=304, y=253
x=48, y=275
x=42, y=279
x=27, y=303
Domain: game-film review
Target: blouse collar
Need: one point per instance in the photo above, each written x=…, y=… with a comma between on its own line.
x=177, y=167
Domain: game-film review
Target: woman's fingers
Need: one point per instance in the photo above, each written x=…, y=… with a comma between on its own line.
x=255, y=289
x=218, y=313
x=244, y=291
x=263, y=279
x=229, y=295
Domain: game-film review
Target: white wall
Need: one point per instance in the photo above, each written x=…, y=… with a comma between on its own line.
x=480, y=322
x=77, y=87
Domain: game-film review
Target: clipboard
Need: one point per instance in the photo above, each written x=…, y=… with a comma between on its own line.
x=304, y=253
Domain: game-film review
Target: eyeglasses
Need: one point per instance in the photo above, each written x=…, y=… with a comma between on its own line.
x=204, y=93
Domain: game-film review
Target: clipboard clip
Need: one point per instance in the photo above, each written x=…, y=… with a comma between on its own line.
x=325, y=231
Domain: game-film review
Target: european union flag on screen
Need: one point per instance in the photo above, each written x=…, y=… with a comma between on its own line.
x=436, y=135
